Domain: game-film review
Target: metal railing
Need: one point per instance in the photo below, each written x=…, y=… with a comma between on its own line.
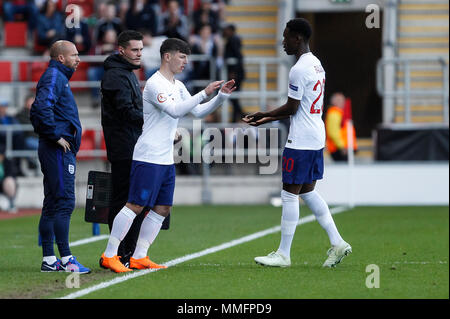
x=407, y=92
x=262, y=94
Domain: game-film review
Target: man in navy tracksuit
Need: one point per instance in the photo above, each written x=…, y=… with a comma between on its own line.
x=54, y=116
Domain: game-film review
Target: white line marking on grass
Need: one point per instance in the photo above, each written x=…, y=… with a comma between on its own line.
x=418, y=262
x=88, y=240
x=211, y=250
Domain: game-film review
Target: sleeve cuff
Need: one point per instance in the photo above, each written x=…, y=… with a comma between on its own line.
x=203, y=94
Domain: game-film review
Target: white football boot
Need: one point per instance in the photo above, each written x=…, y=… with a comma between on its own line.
x=274, y=259
x=336, y=253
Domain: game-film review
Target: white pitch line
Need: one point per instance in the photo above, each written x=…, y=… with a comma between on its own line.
x=211, y=250
x=88, y=240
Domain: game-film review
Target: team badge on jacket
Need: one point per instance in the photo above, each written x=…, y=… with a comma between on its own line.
x=71, y=169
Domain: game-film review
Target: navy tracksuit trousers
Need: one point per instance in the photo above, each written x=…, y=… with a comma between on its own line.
x=58, y=168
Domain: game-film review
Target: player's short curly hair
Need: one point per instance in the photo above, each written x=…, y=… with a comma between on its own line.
x=300, y=26
x=173, y=45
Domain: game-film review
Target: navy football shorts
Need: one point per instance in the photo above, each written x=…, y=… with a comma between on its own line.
x=302, y=166
x=151, y=184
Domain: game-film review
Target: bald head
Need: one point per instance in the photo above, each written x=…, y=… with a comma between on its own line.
x=338, y=99
x=65, y=52
x=59, y=47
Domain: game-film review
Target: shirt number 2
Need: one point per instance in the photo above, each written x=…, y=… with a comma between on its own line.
x=315, y=109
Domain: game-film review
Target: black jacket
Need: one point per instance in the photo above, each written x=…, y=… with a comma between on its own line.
x=122, y=116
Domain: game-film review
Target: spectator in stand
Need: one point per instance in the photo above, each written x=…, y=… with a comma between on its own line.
x=100, y=10
x=107, y=46
x=203, y=43
x=220, y=7
x=8, y=166
x=123, y=6
x=81, y=36
x=206, y=15
x=27, y=8
x=151, y=58
x=141, y=16
x=50, y=26
x=174, y=23
x=8, y=183
x=108, y=21
x=31, y=139
x=236, y=71
x=5, y=119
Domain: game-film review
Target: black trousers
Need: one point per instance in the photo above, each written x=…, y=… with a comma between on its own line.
x=120, y=172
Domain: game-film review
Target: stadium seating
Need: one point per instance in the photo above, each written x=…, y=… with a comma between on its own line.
x=37, y=48
x=86, y=5
x=37, y=69
x=15, y=34
x=24, y=71
x=103, y=145
x=422, y=33
x=256, y=25
x=87, y=143
x=5, y=71
x=80, y=75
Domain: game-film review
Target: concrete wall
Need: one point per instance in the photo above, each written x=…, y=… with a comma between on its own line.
x=366, y=184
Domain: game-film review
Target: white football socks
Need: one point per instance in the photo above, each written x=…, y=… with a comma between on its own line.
x=320, y=209
x=121, y=226
x=289, y=219
x=150, y=228
x=65, y=259
x=49, y=259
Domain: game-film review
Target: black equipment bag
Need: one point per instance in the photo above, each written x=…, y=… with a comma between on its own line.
x=99, y=199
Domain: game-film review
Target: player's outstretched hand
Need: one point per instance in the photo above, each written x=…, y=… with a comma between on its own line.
x=228, y=87
x=256, y=119
x=212, y=87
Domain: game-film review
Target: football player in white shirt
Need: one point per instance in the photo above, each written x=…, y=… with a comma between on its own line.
x=303, y=153
x=152, y=176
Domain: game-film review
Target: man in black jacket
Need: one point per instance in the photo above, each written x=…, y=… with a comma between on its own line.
x=122, y=121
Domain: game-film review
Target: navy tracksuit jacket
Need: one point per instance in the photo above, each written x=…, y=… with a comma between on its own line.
x=54, y=114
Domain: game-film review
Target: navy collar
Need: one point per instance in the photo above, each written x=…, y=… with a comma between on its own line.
x=62, y=68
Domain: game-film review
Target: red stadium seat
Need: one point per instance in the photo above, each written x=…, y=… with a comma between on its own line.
x=15, y=34
x=103, y=145
x=86, y=5
x=24, y=71
x=87, y=143
x=38, y=49
x=5, y=71
x=37, y=69
x=80, y=75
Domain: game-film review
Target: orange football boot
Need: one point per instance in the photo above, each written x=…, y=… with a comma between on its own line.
x=113, y=263
x=144, y=263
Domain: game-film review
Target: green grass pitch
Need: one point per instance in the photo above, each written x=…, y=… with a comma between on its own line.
x=410, y=246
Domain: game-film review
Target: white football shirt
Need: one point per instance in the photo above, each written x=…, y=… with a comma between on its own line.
x=155, y=145
x=307, y=84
